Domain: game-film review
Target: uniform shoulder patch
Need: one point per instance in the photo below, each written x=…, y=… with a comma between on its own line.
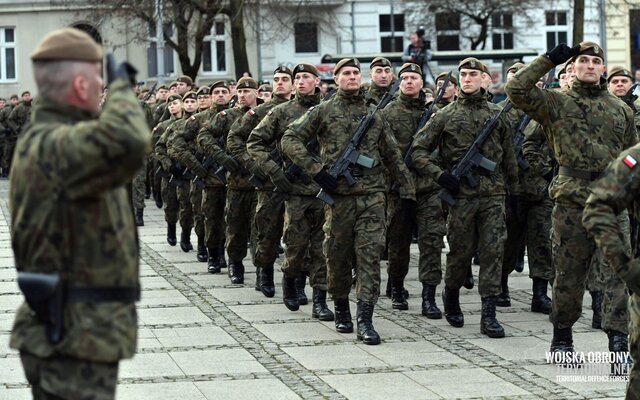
x=629, y=161
x=222, y=113
x=270, y=112
x=311, y=108
x=251, y=112
x=192, y=118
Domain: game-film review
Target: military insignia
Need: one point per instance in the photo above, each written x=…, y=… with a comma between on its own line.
x=270, y=112
x=251, y=112
x=301, y=67
x=413, y=67
x=629, y=161
x=246, y=84
x=223, y=113
x=193, y=118
x=472, y=64
x=596, y=49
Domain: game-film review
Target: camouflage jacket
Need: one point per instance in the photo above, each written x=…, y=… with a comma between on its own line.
x=157, y=132
x=374, y=93
x=537, y=153
x=158, y=113
x=586, y=126
x=452, y=130
x=614, y=192
x=268, y=134
x=513, y=116
x=4, y=115
x=71, y=213
x=19, y=117
x=333, y=123
x=213, y=134
x=161, y=150
x=241, y=129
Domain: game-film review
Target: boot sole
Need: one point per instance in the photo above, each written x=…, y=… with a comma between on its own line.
x=455, y=324
x=432, y=316
x=369, y=342
x=268, y=293
x=344, y=330
x=492, y=335
x=400, y=307
x=540, y=310
x=331, y=318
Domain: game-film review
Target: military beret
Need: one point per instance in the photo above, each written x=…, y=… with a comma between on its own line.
x=346, y=62
x=283, y=69
x=185, y=79
x=305, y=68
x=410, y=67
x=562, y=70
x=232, y=82
x=428, y=91
x=68, y=44
x=172, y=84
x=619, y=71
x=380, y=62
x=442, y=75
x=590, y=49
x=219, y=84
x=247, y=83
x=265, y=88
x=173, y=97
x=515, y=67
x=203, y=91
x=161, y=87
x=471, y=63
x=190, y=95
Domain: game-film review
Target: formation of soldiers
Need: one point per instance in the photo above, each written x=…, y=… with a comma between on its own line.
x=14, y=116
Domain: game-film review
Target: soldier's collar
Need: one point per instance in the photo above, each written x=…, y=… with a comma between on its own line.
x=588, y=89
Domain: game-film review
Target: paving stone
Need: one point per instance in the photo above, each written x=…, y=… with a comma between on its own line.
x=159, y=391
x=197, y=336
x=15, y=394
x=263, y=389
x=174, y=315
x=307, y=331
x=334, y=357
x=153, y=365
x=411, y=354
x=12, y=372
x=204, y=362
x=514, y=348
x=379, y=386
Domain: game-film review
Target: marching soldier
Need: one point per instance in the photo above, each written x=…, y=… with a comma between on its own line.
x=381, y=78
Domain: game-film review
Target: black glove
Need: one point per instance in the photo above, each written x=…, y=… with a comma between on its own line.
x=408, y=209
x=125, y=71
x=256, y=171
x=562, y=53
x=229, y=163
x=449, y=182
x=326, y=181
x=280, y=180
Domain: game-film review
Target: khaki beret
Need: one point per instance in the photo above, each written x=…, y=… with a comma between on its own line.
x=515, y=67
x=173, y=97
x=442, y=75
x=380, y=62
x=471, y=63
x=428, y=91
x=203, y=91
x=190, y=95
x=619, y=71
x=590, y=49
x=162, y=87
x=247, y=83
x=232, y=83
x=283, y=69
x=265, y=88
x=172, y=84
x=219, y=84
x=305, y=68
x=346, y=62
x=562, y=70
x=410, y=67
x=185, y=79
x=68, y=44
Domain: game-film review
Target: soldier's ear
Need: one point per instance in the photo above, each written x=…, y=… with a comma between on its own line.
x=335, y=79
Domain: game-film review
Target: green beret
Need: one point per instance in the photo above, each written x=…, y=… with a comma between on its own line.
x=67, y=44
x=346, y=62
x=562, y=70
x=442, y=75
x=283, y=69
x=247, y=83
x=410, y=67
x=219, y=84
x=203, y=91
x=305, y=68
x=190, y=95
x=590, y=49
x=619, y=71
x=515, y=67
x=471, y=63
x=185, y=79
x=380, y=62
x=265, y=88
x=172, y=84
x=163, y=86
x=173, y=97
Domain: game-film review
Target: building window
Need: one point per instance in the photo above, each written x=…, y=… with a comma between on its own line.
x=556, y=24
x=448, y=31
x=391, y=32
x=7, y=54
x=152, y=52
x=306, y=37
x=214, y=49
x=502, y=31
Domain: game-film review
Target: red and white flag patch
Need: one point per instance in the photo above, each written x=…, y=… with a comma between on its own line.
x=629, y=161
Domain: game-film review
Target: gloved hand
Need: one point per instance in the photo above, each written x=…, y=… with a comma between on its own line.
x=326, y=181
x=124, y=70
x=256, y=171
x=230, y=163
x=632, y=275
x=280, y=180
x=561, y=53
x=408, y=209
x=200, y=171
x=449, y=182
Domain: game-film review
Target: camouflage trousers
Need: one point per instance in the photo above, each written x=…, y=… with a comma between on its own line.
x=240, y=209
x=195, y=197
x=9, y=147
x=355, y=225
x=302, y=237
x=633, y=387
x=478, y=220
x=170, y=200
x=213, y=201
x=138, y=187
x=59, y=378
x=156, y=179
x=269, y=221
x=186, y=211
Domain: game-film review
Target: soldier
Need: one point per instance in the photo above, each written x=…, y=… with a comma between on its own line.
x=71, y=220
x=264, y=92
x=304, y=213
x=16, y=120
x=608, y=197
x=450, y=93
x=381, y=78
x=220, y=95
x=355, y=225
x=477, y=217
x=269, y=213
x=583, y=147
x=619, y=82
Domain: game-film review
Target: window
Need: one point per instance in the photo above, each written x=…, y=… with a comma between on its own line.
x=7, y=54
x=306, y=37
x=152, y=52
x=502, y=31
x=556, y=25
x=214, y=49
x=448, y=31
x=391, y=32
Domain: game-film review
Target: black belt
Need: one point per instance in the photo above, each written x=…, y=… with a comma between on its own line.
x=102, y=294
x=580, y=174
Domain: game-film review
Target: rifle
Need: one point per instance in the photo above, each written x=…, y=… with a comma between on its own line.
x=632, y=94
x=293, y=171
x=149, y=93
x=473, y=158
x=350, y=155
x=277, y=158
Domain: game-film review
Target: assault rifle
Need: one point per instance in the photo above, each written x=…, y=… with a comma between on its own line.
x=293, y=171
x=277, y=158
x=473, y=158
x=632, y=94
x=350, y=155
x=149, y=94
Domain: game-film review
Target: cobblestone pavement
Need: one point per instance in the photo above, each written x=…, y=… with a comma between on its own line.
x=201, y=337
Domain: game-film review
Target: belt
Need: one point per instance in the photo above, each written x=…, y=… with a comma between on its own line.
x=579, y=173
x=102, y=294
x=358, y=172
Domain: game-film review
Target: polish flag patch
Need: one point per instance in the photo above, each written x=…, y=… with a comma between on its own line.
x=630, y=161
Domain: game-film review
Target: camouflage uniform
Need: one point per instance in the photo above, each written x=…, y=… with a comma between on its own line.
x=4, y=133
x=618, y=188
x=375, y=93
x=72, y=216
x=169, y=191
x=16, y=120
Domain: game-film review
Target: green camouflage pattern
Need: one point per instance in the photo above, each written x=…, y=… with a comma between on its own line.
x=431, y=231
x=213, y=206
x=269, y=220
x=239, y=215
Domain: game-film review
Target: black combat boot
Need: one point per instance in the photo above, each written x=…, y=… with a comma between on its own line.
x=147, y=193
x=540, y=302
x=139, y=216
x=504, y=300
x=236, y=272
x=619, y=344
x=520, y=261
x=221, y=259
x=452, y=311
x=301, y=281
x=171, y=234
x=429, y=307
x=398, y=301
x=185, y=240
x=289, y=294
x=366, y=331
x=213, y=265
x=562, y=348
x=343, y=316
x=596, y=306
x=405, y=292
x=267, y=286
x=158, y=199
x=202, y=255
x=258, y=273
x=320, y=309
x=468, y=280
x=489, y=325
